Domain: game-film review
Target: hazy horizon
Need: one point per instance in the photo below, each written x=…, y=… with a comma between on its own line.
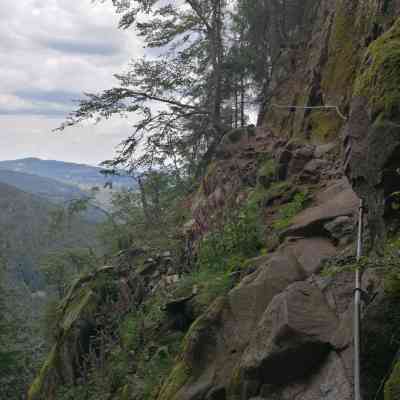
x=49, y=159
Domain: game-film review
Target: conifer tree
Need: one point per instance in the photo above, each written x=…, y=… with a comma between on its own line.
x=178, y=95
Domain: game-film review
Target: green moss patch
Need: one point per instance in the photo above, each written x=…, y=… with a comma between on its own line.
x=76, y=308
x=288, y=211
x=262, y=197
x=125, y=393
x=324, y=126
x=392, y=386
x=177, y=379
x=380, y=80
x=37, y=388
x=340, y=71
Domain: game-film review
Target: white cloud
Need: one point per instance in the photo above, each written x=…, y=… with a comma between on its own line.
x=50, y=52
x=28, y=136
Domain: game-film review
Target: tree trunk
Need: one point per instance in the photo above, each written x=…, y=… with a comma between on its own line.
x=242, y=99
x=236, y=106
x=143, y=200
x=217, y=57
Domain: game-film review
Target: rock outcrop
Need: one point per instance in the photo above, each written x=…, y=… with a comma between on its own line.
x=372, y=134
x=92, y=308
x=280, y=331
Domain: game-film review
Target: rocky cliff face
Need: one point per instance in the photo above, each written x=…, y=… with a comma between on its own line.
x=343, y=54
x=284, y=330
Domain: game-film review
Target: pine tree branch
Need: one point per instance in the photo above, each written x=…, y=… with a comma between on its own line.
x=196, y=8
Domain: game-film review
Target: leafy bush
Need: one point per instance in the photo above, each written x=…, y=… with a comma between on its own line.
x=131, y=330
x=210, y=284
x=261, y=196
x=149, y=217
x=391, y=267
x=267, y=173
x=239, y=238
x=288, y=211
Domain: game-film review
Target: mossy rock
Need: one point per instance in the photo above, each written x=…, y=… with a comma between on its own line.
x=176, y=380
x=83, y=303
x=42, y=382
x=392, y=284
x=74, y=328
x=235, y=384
x=380, y=343
x=263, y=197
x=279, y=190
x=125, y=393
x=324, y=126
x=200, y=341
x=392, y=386
x=379, y=81
x=341, y=68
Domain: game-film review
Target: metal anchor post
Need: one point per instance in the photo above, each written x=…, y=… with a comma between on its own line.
x=357, y=308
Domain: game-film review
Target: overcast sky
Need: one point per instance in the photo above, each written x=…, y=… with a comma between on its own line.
x=50, y=52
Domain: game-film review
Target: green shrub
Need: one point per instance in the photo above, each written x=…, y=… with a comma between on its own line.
x=257, y=196
x=221, y=252
x=261, y=196
x=131, y=330
x=288, y=211
x=267, y=173
x=240, y=237
x=210, y=284
x=390, y=265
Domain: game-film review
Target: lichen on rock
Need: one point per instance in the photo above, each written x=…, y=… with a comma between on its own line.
x=380, y=80
x=45, y=383
x=392, y=386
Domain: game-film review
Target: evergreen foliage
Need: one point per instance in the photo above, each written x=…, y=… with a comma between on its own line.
x=212, y=56
x=138, y=215
x=61, y=267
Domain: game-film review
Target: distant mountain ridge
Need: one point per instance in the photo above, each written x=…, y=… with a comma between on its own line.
x=67, y=172
x=50, y=190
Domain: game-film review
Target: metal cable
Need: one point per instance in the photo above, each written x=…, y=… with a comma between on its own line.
x=336, y=108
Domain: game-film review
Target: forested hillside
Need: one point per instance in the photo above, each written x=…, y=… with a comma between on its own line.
x=30, y=232
x=56, y=192
x=26, y=233
x=229, y=272
x=49, y=189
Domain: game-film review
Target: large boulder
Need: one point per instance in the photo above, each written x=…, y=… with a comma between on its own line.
x=330, y=382
x=292, y=338
x=310, y=252
x=312, y=221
